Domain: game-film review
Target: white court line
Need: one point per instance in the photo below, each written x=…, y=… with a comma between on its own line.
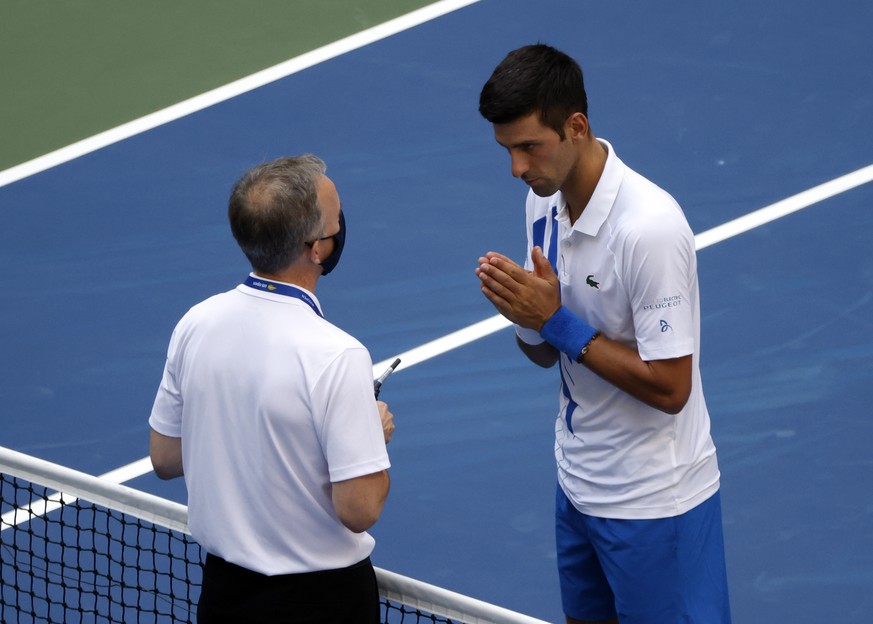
x=704, y=239
x=784, y=207
x=495, y=323
x=230, y=90
x=717, y=234
x=187, y=107
x=41, y=506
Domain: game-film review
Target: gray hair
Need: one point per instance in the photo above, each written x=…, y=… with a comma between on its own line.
x=273, y=211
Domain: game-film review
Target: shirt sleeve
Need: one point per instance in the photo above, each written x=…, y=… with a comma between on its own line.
x=166, y=416
x=347, y=419
x=660, y=268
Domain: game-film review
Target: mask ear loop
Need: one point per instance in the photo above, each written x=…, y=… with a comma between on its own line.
x=339, y=239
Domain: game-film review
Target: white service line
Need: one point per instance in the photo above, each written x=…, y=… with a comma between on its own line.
x=495, y=323
x=704, y=239
x=441, y=345
x=142, y=466
x=233, y=89
x=41, y=506
x=785, y=207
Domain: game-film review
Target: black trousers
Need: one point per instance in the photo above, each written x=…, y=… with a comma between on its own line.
x=234, y=595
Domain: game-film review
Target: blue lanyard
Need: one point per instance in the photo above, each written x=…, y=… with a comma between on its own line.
x=265, y=285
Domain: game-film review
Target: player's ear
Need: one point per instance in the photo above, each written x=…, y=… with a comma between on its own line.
x=577, y=126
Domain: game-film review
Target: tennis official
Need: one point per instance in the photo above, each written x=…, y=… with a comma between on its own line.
x=268, y=410
x=609, y=292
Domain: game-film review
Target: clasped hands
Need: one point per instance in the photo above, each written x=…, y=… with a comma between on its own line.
x=527, y=298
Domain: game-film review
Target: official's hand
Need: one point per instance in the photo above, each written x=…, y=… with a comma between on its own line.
x=527, y=298
x=387, y=420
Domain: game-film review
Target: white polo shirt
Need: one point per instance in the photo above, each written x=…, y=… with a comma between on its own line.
x=627, y=267
x=273, y=403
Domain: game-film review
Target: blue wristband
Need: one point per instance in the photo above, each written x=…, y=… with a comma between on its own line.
x=567, y=332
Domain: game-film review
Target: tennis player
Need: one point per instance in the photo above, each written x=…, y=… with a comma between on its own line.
x=609, y=292
x=268, y=410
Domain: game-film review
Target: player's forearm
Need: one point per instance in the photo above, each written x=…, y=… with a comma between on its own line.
x=542, y=354
x=662, y=384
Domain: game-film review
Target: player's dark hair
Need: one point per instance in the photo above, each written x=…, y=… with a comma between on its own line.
x=273, y=211
x=535, y=78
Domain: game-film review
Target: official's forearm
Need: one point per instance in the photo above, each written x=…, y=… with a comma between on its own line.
x=359, y=502
x=166, y=455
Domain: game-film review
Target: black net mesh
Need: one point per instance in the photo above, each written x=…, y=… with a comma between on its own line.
x=70, y=561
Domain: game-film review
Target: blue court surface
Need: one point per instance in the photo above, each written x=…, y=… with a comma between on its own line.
x=731, y=107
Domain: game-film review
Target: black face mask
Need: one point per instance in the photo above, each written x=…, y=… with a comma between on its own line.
x=339, y=241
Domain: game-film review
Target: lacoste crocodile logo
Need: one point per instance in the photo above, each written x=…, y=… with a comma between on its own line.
x=590, y=281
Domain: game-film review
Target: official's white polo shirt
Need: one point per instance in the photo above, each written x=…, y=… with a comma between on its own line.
x=272, y=403
x=627, y=267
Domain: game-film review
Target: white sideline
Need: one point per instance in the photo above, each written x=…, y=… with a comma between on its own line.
x=205, y=100
x=230, y=90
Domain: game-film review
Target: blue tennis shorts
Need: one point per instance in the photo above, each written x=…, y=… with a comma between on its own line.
x=643, y=571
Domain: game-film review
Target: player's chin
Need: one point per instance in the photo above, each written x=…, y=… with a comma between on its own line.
x=542, y=188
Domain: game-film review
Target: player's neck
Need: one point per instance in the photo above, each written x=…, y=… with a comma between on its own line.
x=579, y=187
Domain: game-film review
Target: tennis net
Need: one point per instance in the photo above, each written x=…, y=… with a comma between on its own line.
x=75, y=548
